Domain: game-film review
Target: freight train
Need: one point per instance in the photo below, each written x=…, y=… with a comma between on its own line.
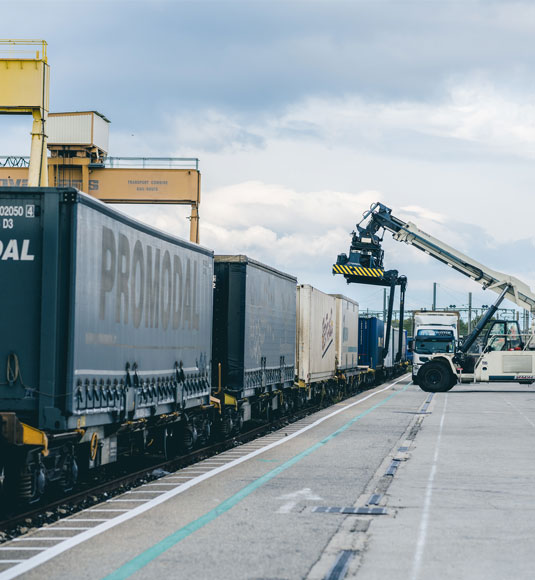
x=117, y=338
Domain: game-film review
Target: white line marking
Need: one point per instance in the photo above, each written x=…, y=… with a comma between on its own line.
x=161, y=484
x=88, y=520
x=22, y=548
x=105, y=510
x=129, y=500
x=233, y=453
x=305, y=494
x=144, y=491
x=422, y=534
x=50, y=553
x=54, y=528
x=40, y=538
x=198, y=470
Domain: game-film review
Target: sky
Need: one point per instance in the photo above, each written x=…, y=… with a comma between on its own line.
x=303, y=113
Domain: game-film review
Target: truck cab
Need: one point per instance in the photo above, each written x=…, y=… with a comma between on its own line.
x=434, y=332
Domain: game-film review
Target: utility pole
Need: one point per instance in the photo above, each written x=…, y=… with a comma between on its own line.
x=434, y=296
x=384, y=304
x=469, y=312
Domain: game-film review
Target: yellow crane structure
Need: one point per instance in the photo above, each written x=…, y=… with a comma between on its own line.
x=24, y=90
x=78, y=145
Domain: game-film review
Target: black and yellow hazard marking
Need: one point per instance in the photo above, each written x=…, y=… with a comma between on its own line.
x=358, y=271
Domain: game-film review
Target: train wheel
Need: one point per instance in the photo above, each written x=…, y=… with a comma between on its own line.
x=69, y=473
x=170, y=442
x=227, y=423
x=30, y=483
x=205, y=434
x=189, y=438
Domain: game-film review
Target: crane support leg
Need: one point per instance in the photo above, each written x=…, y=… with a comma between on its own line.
x=389, y=315
x=38, y=171
x=194, y=224
x=403, y=286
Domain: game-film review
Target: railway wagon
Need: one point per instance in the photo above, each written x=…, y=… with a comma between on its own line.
x=254, y=339
x=105, y=336
x=371, y=343
x=324, y=369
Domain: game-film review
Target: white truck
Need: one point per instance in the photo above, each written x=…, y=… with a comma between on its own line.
x=433, y=332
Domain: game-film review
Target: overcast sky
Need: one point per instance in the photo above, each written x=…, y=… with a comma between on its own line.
x=304, y=113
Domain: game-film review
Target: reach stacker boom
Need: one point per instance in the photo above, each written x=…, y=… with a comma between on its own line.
x=507, y=355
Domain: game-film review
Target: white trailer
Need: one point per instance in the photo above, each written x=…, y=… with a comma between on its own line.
x=316, y=345
x=346, y=334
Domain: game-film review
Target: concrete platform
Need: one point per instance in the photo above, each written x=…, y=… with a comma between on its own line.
x=444, y=482
x=463, y=503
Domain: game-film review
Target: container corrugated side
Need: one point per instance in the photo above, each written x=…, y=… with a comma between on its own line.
x=142, y=315
x=393, y=345
x=70, y=129
x=254, y=324
x=316, y=322
x=84, y=128
x=347, y=326
x=371, y=341
x=270, y=326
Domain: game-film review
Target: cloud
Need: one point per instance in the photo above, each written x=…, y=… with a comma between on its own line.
x=214, y=131
x=300, y=232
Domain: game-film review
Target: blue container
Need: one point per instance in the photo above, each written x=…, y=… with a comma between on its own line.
x=371, y=342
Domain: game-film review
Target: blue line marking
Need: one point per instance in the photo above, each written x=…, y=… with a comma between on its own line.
x=140, y=561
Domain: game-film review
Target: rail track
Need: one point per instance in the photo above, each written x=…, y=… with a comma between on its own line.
x=18, y=521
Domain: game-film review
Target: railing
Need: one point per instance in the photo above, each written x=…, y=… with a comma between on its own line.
x=153, y=162
x=14, y=161
x=7, y=50
x=124, y=162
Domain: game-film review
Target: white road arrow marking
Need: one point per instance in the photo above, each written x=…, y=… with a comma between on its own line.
x=294, y=498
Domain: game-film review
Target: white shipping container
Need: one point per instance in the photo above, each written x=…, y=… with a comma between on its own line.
x=390, y=358
x=89, y=129
x=347, y=329
x=316, y=331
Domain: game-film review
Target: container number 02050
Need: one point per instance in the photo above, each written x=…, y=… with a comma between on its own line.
x=11, y=210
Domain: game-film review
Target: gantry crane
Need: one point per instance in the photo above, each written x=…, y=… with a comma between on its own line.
x=24, y=88
x=507, y=356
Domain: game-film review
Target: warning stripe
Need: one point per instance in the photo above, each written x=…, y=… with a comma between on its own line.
x=357, y=271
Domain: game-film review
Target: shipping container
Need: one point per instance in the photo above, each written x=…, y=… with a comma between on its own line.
x=371, y=342
x=104, y=319
x=254, y=326
x=316, y=330
x=86, y=128
x=393, y=348
x=346, y=336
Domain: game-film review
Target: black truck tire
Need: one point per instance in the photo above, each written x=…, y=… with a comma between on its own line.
x=435, y=377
